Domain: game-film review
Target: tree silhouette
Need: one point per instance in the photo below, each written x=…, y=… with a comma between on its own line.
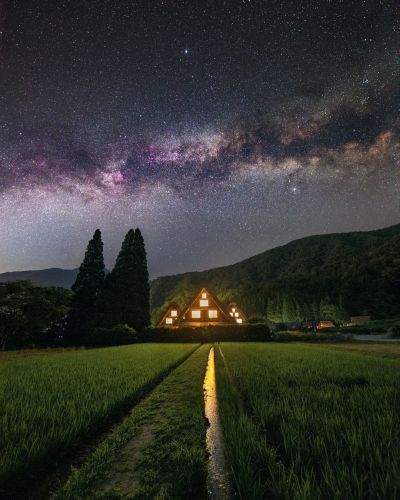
x=127, y=286
x=87, y=291
x=142, y=318
x=121, y=296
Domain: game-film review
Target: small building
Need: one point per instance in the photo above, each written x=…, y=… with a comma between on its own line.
x=171, y=315
x=236, y=313
x=325, y=323
x=203, y=310
x=359, y=320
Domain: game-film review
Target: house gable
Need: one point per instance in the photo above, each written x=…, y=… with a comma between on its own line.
x=204, y=309
x=170, y=316
x=236, y=313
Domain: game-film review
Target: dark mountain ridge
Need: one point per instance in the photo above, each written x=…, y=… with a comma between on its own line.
x=54, y=276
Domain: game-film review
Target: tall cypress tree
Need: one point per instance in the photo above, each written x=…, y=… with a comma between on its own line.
x=87, y=291
x=121, y=295
x=127, y=286
x=142, y=318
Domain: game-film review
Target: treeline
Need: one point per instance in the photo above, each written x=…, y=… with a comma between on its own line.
x=31, y=314
x=104, y=308
x=282, y=308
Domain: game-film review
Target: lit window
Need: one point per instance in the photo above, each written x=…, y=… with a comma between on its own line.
x=174, y=313
x=204, y=295
x=230, y=314
x=168, y=321
x=204, y=303
x=233, y=309
x=239, y=320
x=196, y=314
x=236, y=315
x=213, y=313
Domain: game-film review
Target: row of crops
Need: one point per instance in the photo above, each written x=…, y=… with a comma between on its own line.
x=305, y=421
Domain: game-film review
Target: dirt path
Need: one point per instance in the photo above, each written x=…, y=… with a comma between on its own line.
x=124, y=476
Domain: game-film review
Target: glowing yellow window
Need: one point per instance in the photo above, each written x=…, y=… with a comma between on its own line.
x=236, y=315
x=233, y=309
x=174, y=313
x=204, y=303
x=204, y=295
x=239, y=320
x=196, y=314
x=231, y=314
x=213, y=313
x=168, y=321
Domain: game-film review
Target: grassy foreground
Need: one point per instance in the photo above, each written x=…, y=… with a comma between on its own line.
x=306, y=421
x=159, y=450
x=49, y=403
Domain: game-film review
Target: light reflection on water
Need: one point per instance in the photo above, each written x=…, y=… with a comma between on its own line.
x=217, y=482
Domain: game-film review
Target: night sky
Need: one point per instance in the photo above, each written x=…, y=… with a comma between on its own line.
x=220, y=128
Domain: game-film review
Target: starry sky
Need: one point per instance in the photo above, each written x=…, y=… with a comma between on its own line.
x=220, y=128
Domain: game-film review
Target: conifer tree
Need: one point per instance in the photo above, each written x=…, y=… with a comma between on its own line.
x=87, y=290
x=307, y=312
x=142, y=318
x=275, y=308
x=286, y=317
x=299, y=314
x=127, y=286
x=121, y=295
x=315, y=310
x=321, y=308
x=341, y=311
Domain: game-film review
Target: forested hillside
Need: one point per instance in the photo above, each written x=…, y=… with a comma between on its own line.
x=334, y=276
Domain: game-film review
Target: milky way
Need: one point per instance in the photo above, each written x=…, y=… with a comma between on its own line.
x=221, y=131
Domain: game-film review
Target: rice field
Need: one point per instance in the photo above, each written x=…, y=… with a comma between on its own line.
x=299, y=421
x=49, y=402
x=310, y=421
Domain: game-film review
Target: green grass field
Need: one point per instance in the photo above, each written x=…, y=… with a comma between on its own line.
x=299, y=421
x=311, y=421
x=50, y=401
